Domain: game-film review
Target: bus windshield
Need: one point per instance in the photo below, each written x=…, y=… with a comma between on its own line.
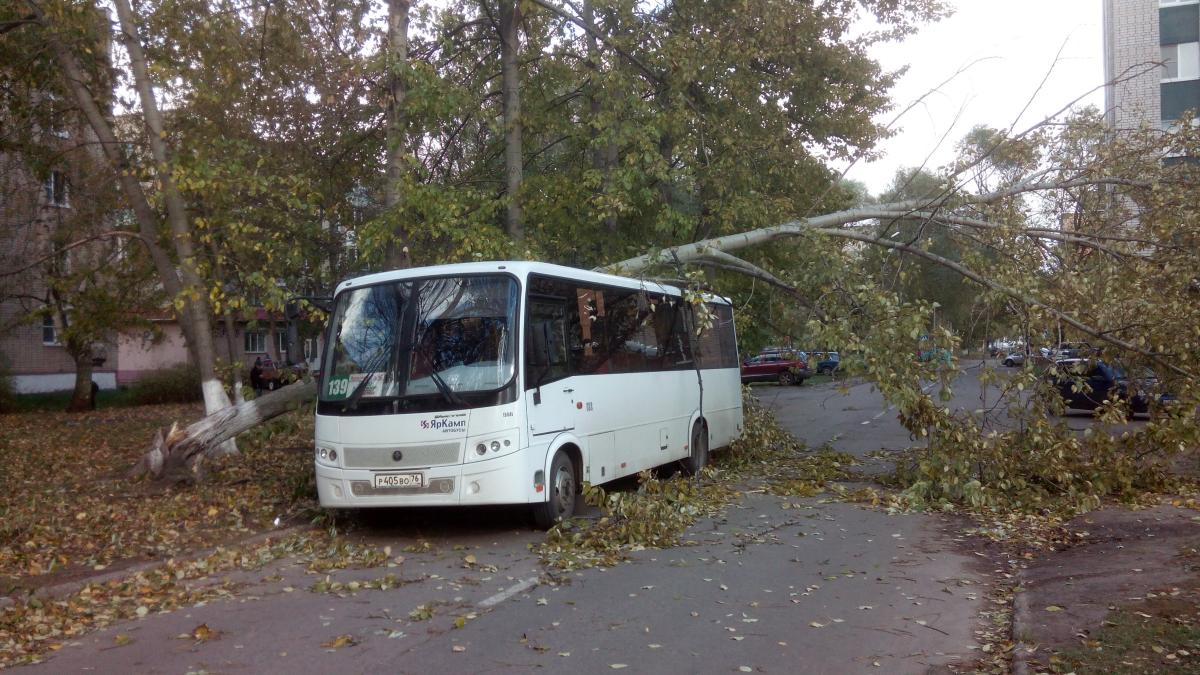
x=423, y=337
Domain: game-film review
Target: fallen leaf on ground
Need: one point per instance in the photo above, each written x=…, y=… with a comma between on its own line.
x=339, y=642
x=203, y=633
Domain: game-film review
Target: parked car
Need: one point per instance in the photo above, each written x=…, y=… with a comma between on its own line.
x=276, y=375
x=827, y=362
x=1085, y=383
x=1068, y=350
x=1014, y=359
x=785, y=368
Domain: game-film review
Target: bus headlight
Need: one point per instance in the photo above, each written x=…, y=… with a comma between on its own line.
x=491, y=445
x=328, y=455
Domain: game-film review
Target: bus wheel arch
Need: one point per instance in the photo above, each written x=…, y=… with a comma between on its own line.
x=698, y=456
x=563, y=487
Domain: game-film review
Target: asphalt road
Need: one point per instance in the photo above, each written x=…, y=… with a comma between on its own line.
x=775, y=585
x=853, y=417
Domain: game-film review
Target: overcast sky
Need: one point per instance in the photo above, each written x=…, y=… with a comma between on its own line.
x=1012, y=46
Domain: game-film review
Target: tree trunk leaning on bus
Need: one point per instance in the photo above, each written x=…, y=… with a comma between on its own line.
x=179, y=454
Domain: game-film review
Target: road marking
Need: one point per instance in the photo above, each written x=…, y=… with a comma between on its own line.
x=507, y=593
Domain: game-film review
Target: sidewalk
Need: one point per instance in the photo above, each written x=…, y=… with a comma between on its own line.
x=1117, y=598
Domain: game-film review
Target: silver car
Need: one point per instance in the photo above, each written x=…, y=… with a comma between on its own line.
x=1014, y=359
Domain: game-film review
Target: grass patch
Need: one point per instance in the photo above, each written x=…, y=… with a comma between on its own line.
x=56, y=401
x=1160, y=635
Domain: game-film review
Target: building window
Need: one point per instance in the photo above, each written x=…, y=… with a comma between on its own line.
x=256, y=342
x=49, y=331
x=1181, y=61
x=1179, y=97
x=1179, y=23
x=310, y=349
x=281, y=344
x=55, y=188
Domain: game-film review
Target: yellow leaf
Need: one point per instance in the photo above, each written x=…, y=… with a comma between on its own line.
x=339, y=642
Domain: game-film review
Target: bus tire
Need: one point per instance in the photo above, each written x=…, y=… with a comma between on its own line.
x=699, y=457
x=563, y=493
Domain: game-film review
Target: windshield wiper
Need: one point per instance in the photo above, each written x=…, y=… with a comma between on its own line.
x=352, y=400
x=446, y=391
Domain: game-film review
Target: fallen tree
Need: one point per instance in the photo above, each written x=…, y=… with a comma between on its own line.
x=179, y=454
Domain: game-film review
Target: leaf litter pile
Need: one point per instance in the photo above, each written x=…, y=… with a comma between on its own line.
x=67, y=511
x=657, y=514
x=31, y=628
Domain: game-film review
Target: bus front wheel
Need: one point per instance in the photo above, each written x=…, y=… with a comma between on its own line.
x=560, y=502
x=699, y=457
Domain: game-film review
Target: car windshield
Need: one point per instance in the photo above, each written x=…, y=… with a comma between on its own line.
x=440, y=336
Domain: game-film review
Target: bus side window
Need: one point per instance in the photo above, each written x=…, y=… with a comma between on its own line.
x=627, y=349
x=670, y=329
x=546, y=343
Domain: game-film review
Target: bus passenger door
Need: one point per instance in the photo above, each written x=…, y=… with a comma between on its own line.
x=549, y=396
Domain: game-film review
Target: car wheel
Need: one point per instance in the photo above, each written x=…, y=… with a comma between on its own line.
x=699, y=457
x=786, y=378
x=560, y=503
x=1009, y=363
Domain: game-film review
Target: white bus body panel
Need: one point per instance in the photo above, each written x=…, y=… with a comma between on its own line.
x=620, y=423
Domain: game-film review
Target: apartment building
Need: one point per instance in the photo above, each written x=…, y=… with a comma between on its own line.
x=1152, y=61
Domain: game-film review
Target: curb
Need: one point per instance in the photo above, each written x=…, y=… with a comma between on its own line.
x=71, y=587
x=1020, y=627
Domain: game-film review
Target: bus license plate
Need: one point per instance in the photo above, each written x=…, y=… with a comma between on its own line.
x=399, y=480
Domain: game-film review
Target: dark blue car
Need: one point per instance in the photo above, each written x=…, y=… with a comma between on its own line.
x=828, y=362
x=1084, y=384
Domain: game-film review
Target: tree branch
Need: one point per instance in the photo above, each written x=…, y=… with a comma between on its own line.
x=1001, y=288
x=68, y=247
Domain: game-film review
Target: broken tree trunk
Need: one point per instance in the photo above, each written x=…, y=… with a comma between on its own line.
x=179, y=455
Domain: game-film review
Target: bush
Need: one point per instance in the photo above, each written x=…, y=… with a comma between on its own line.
x=179, y=384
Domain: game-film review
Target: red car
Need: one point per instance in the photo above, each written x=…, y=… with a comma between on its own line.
x=783, y=367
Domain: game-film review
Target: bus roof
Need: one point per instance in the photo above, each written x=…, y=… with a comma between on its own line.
x=522, y=269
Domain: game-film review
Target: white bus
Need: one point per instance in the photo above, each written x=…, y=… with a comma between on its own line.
x=515, y=382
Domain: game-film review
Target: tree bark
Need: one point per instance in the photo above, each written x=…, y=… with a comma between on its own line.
x=397, y=253
x=510, y=84
x=81, y=396
x=179, y=455
x=195, y=309
x=603, y=155
x=235, y=363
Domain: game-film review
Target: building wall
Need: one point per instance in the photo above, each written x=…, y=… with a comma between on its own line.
x=1152, y=61
x=28, y=218
x=1131, y=45
x=143, y=352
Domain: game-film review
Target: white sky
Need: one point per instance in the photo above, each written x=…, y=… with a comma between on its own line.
x=1018, y=41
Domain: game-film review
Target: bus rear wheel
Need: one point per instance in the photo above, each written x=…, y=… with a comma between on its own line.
x=699, y=457
x=560, y=502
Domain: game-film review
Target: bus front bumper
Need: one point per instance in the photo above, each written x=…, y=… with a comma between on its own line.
x=501, y=480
